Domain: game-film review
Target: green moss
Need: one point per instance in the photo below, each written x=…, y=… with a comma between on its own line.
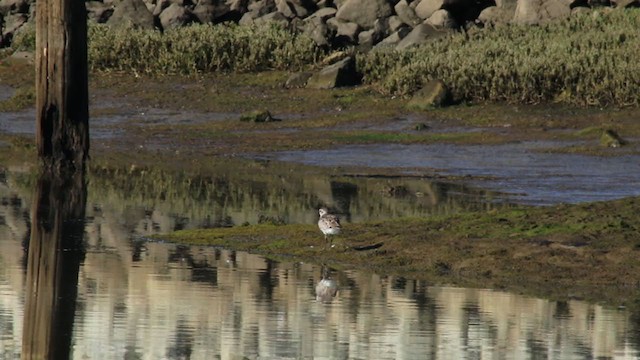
x=549, y=250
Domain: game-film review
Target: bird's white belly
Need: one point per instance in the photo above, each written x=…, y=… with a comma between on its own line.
x=331, y=231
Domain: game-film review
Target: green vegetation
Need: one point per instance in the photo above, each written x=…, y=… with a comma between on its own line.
x=200, y=48
x=589, y=59
x=586, y=251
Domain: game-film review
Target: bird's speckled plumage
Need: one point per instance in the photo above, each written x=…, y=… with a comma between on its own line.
x=328, y=223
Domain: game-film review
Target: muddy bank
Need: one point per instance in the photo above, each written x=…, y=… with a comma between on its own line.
x=584, y=251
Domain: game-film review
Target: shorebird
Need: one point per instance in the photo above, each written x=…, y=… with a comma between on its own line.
x=327, y=288
x=329, y=224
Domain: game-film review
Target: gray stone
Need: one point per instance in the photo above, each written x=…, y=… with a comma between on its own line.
x=276, y=16
x=395, y=23
x=433, y=94
x=442, y=19
x=323, y=14
x=297, y=80
x=248, y=18
x=318, y=31
x=295, y=8
x=132, y=14
x=420, y=35
x=208, y=11
x=348, y=30
x=406, y=13
x=426, y=8
x=175, y=16
x=8, y=7
x=98, y=11
x=540, y=11
x=262, y=7
x=364, y=12
x=395, y=38
x=342, y=73
x=367, y=39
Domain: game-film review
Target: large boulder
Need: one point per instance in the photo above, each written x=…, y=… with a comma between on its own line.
x=98, y=11
x=342, y=73
x=364, y=12
x=214, y=11
x=433, y=94
x=295, y=8
x=175, y=16
x=441, y=19
x=420, y=35
x=426, y=8
x=502, y=12
x=532, y=12
x=132, y=14
x=318, y=31
x=406, y=13
x=15, y=7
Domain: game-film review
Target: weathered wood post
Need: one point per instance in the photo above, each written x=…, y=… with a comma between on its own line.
x=56, y=250
x=62, y=100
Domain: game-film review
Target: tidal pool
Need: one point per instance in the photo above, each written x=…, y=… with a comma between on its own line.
x=522, y=170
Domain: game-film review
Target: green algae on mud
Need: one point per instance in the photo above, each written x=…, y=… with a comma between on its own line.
x=587, y=251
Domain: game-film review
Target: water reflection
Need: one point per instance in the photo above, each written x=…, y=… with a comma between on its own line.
x=137, y=299
x=55, y=251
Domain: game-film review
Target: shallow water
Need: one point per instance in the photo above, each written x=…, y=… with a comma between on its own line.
x=520, y=169
x=153, y=300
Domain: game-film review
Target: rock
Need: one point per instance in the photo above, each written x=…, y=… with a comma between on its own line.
x=395, y=38
x=8, y=7
x=213, y=12
x=610, y=138
x=175, y=16
x=627, y=3
x=395, y=23
x=347, y=33
x=323, y=14
x=342, y=73
x=272, y=17
x=318, y=31
x=441, y=19
x=406, y=13
x=419, y=35
x=132, y=14
x=258, y=116
x=12, y=24
x=433, y=94
x=503, y=12
x=532, y=12
x=426, y=8
x=364, y=12
x=98, y=11
x=297, y=80
x=295, y=8
x=262, y=7
x=367, y=39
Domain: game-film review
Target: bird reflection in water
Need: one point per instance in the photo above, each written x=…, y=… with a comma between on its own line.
x=327, y=288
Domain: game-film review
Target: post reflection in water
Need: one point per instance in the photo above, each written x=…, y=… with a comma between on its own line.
x=55, y=252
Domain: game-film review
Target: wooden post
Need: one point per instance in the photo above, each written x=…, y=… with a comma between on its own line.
x=56, y=250
x=62, y=100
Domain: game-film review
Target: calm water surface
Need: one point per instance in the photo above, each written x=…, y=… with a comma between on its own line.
x=151, y=300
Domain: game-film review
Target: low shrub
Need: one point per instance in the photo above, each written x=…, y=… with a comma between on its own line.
x=589, y=59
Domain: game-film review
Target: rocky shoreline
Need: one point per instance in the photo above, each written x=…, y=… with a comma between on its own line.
x=330, y=23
